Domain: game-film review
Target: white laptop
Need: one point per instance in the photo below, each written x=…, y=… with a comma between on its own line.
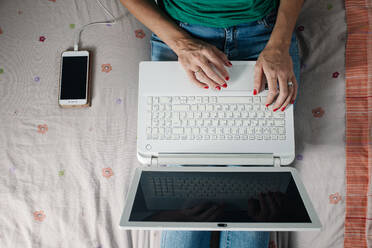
x=214, y=158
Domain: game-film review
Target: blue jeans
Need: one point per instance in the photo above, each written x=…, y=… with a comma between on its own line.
x=240, y=42
x=201, y=239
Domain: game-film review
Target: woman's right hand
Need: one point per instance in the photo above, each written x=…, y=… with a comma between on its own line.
x=198, y=59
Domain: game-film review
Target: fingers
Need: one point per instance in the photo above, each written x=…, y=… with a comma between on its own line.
x=218, y=61
x=258, y=73
x=194, y=80
x=273, y=89
x=212, y=84
x=283, y=93
x=221, y=69
x=289, y=97
x=211, y=74
x=295, y=86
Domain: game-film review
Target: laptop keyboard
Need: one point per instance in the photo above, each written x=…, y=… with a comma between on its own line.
x=212, y=118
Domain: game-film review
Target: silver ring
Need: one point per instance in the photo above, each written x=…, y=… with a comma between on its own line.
x=290, y=84
x=197, y=70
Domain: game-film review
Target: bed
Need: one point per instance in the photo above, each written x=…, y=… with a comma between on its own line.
x=65, y=172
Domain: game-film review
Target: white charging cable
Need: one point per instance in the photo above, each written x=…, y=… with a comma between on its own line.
x=78, y=32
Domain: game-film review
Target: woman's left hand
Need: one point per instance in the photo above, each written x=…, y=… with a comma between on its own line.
x=276, y=64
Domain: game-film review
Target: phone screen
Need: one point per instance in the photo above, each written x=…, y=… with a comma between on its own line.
x=74, y=77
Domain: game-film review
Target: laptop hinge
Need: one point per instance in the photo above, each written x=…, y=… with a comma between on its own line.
x=154, y=161
x=277, y=162
x=262, y=159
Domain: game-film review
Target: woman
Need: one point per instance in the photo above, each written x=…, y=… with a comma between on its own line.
x=202, y=34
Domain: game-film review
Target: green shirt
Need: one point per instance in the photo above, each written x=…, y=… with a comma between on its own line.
x=218, y=13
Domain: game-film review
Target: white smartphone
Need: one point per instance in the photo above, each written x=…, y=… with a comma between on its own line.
x=74, y=88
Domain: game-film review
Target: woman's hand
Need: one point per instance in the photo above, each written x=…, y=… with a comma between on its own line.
x=198, y=59
x=276, y=64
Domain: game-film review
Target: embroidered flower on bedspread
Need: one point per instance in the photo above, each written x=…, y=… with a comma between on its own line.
x=1, y=70
x=72, y=26
x=301, y=28
x=20, y=12
x=42, y=38
x=107, y=172
x=37, y=79
x=61, y=173
x=318, y=112
x=140, y=34
x=1, y=31
x=52, y=1
x=106, y=68
x=335, y=74
x=334, y=198
x=42, y=128
x=299, y=157
x=39, y=215
x=272, y=244
x=329, y=6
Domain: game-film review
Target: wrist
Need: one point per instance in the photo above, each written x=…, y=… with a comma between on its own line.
x=183, y=44
x=278, y=44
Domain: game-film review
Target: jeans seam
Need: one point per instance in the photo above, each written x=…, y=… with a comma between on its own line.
x=164, y=237
x=227, y=244
x=234, y=38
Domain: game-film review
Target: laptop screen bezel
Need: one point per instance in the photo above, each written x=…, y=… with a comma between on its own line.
x=256, y=226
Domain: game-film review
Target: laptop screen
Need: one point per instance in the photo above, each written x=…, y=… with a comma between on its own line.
x=218, y=197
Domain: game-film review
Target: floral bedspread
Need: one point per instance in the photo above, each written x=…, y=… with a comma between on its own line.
x=65, y=172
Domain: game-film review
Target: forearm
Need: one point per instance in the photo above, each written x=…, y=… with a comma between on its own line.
x=152, y=17
x=286, y=20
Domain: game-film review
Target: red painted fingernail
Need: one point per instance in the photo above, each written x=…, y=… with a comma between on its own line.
x=292, y=101
x=275, y=109
x=227, y=78
x=218, y=87
x=206, y=87
x=229, y=63
x=254, y=92
x=267, y=105
x=224, y=85
x=282, y=109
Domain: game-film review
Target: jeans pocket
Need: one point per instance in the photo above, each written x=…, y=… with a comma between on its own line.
x=269, y=20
